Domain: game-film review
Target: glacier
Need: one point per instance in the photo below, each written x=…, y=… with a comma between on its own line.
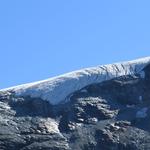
x=57, y=89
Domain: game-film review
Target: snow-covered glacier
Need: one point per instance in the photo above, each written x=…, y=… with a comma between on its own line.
x=57, y=89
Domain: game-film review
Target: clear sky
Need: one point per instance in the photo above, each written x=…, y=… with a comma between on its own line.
x=44, y=38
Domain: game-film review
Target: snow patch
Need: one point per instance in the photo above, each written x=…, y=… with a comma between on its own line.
x=130, y=106
x=52, y=126
x=142, y=113
x=141, y=99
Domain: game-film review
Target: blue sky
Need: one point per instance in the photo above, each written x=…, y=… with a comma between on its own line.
x=44, y=38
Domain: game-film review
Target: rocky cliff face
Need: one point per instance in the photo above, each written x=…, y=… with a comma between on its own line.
x=109, y=114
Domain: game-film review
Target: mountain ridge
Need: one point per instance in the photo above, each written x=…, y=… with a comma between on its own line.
x=110, y=111
x=57, y=89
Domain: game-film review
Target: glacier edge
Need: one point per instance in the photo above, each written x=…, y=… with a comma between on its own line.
x=56, y=89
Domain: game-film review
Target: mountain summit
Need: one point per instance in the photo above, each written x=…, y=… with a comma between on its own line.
x=101, y=108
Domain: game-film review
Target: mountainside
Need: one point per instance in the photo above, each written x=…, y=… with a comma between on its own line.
x=100, y=108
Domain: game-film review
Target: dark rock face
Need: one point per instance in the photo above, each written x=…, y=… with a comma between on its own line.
x=112, y=115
